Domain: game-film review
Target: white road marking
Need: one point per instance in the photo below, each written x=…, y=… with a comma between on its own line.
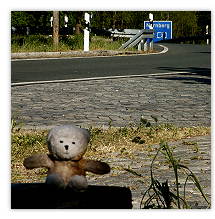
x=95, y=78
x=165, y=49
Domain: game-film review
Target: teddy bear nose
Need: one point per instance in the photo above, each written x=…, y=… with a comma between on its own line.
x=66, y=147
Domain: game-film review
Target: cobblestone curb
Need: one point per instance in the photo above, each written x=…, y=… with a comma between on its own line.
x=93, y=53
x=31, y=55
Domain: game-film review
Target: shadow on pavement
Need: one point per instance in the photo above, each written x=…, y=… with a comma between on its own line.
x=42, y=196
x=197, y=75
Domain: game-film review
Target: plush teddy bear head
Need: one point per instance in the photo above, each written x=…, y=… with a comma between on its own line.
x=68, y=142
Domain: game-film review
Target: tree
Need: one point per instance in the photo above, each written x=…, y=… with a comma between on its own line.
x=55, y=29
x=79, y=16
x=185, y=23
x=19, y=18
x=204, y=19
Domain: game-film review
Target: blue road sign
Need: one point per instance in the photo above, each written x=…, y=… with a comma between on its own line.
x=162, y=30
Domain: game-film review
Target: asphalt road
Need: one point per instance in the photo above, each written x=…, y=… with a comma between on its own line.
x=180, y=57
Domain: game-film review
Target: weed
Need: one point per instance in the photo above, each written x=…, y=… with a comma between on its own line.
x=124, y=131
x=110, y=122
x=14, y=126
x=159, y=194
x=138, y=140
x=144, y=122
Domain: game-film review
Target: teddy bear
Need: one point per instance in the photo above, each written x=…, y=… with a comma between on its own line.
x=65, y=163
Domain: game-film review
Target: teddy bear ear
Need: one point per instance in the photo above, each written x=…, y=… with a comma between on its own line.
x=50, y=136
x=86, y=134
x=49, y=141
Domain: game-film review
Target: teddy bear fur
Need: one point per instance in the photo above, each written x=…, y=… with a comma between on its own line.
x=65, y=163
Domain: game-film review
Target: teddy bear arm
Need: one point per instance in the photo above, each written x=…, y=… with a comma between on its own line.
x=93, y=166
x=38, y=160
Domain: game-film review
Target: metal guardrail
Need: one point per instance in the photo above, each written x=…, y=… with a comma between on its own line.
x=139, y=38
x=127, y=33
x=136, y=39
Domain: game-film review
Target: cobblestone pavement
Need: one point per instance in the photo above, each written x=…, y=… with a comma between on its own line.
x=181, y=99
x=194, y=153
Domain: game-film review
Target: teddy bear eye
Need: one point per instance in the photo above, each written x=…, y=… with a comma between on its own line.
x=73, y=142
x=61, y=141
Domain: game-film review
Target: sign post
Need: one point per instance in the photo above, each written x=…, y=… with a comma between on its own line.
x=151, y=21
x=86, y=32
x=151, y=28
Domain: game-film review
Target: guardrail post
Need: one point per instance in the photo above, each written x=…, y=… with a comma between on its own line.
x=140, y=45
x=145, y=46
x=151, y=45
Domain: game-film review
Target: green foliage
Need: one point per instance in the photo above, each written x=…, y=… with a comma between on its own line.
x=98, y=42
x=42, y=43
x=20, y=18
x=185, y=23
x=31, y=43
x=119, y=19
x=74, y=42
x=30, y=18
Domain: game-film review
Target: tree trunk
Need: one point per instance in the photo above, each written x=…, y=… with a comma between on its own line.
x=55, y=29
x=114, y=20
x=79, y=17
x=77, y=28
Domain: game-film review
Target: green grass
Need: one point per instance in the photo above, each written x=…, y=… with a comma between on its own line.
x=102, y=43
x=41, y=43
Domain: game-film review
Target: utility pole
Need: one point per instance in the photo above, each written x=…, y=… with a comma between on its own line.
x=55, y=29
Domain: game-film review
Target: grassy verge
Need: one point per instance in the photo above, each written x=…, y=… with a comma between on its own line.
x=40, y=43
